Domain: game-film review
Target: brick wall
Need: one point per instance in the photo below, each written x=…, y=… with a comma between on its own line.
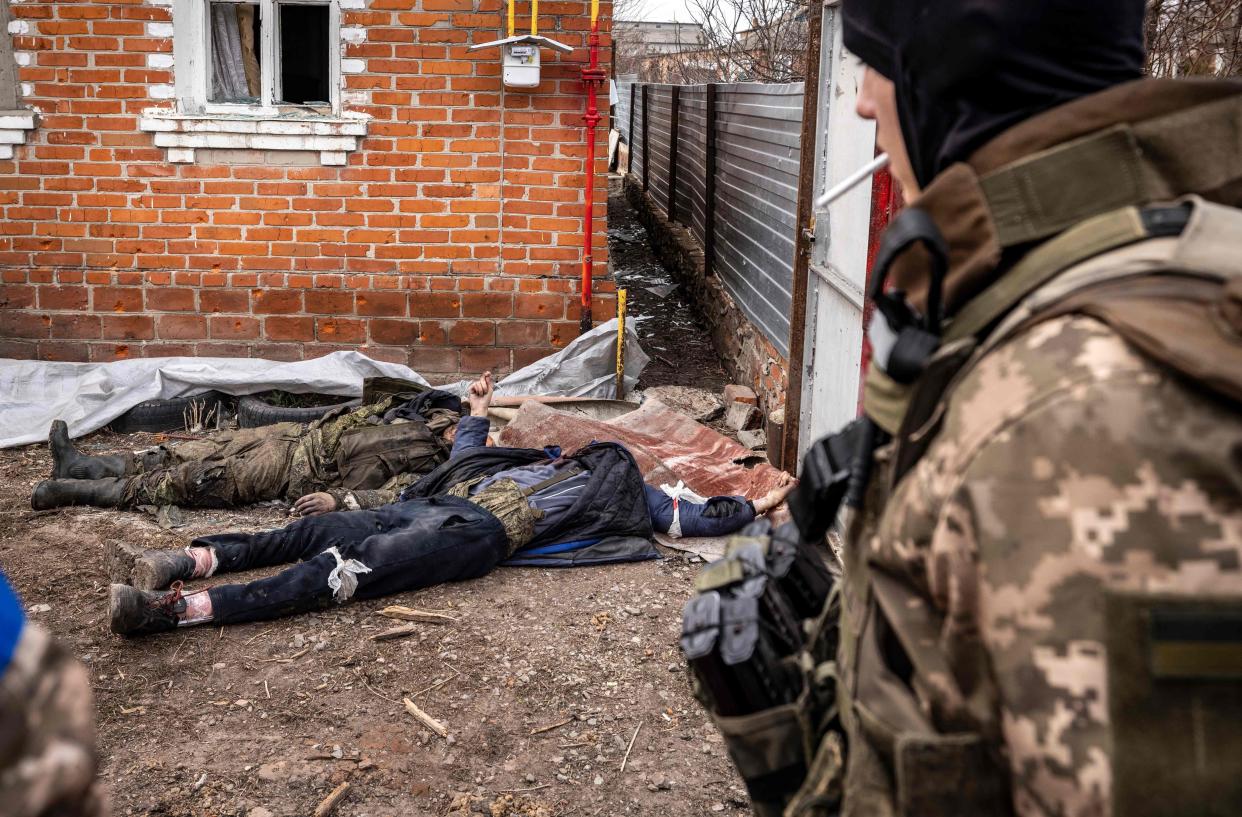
x=451, y=239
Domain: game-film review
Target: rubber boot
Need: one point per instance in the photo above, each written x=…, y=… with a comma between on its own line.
x=59, y=493
x=134, y=612
x=148, y=569
x=70, y=463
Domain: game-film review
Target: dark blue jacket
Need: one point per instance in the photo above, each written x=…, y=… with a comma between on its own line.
x=719, y=516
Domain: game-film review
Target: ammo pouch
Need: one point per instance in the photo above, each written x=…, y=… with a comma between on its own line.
x=748, y=637
x=1175, y=703
x=368, y=456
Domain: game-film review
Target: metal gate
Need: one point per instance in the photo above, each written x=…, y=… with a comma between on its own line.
x=833, y=345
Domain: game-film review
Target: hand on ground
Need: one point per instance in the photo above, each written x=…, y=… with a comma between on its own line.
x=777, y=495
x=480, y=395
x=315, y=504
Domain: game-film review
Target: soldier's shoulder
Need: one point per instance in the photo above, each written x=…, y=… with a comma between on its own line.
x=1056, y=361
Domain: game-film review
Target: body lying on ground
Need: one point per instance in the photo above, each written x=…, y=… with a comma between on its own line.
x=480, y=508
x=363, y=457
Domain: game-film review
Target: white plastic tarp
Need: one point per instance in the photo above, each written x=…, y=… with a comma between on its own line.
x=88, y=396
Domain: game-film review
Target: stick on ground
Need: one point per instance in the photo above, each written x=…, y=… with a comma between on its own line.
x=410, y=614
x=395, y=632
x=329, y=803
x=425, y=719
x=625, y=759
x=550, y=727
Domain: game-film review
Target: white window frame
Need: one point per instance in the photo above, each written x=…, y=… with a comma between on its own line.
x=192, y=55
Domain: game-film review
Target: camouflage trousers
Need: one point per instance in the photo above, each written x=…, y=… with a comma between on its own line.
x=226, y=469
x=47, y=733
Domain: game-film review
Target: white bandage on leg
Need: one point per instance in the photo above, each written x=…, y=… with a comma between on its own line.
x=344, y=577
x=679, y=493
x=205, y=562
x=197, y=609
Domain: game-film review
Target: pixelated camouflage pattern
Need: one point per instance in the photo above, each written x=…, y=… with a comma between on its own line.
x=284, y=460
x=1066, y=464
x=505, y=500
x=48, y=761
x=225, y=469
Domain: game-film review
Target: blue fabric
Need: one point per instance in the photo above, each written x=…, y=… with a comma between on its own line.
x=471, y=433
x=12, y=622
x=719, y=516
x=555, y=500
x=561, y=547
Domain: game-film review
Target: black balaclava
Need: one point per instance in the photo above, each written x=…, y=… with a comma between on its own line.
x=966, y=70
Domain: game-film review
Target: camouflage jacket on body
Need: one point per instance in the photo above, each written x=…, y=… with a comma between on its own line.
x=1067, y=467
x=392, y=457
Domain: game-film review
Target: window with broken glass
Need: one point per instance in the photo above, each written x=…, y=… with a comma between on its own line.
x=264, y=56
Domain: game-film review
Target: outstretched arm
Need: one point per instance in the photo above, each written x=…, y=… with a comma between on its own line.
x=472, y=430
x=719, y=516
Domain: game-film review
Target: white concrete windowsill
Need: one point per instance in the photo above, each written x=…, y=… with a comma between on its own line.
x=181, y=133
x=13, y=128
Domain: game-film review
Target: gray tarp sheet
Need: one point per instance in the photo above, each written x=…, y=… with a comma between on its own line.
x=88, y=396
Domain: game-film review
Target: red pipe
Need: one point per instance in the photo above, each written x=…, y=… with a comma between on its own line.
x=591, y=75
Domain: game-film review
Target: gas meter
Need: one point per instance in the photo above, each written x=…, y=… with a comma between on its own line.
x=519, y=54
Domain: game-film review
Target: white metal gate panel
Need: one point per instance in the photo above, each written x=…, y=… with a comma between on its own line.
x=838, y=268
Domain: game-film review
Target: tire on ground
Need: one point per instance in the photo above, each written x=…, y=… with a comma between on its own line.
x=167, y=415
x=253, y=412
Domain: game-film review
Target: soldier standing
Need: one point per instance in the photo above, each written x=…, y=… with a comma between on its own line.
x=1041, y=602
x=1063, y=473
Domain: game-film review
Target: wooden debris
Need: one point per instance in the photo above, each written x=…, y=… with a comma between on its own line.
x=425, y=719
x=550, y=727
x=328, y=803
x=630, y=748
x=395, y=632
x=286, y=660
x=410, y=614
x=437, y=684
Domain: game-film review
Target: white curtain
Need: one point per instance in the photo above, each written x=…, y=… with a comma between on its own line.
x=234, y=66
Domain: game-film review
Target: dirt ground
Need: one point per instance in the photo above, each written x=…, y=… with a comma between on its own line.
x=673, y=336
x=544, y=681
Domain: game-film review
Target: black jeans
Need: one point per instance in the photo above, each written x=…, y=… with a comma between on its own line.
x=407, y=545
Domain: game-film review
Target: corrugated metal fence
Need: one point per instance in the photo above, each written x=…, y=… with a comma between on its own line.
x=723, y=160
x=623, y=110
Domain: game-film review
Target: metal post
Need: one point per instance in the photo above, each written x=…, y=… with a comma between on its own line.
x=621, y=293
x=709, y=185
x=671, y=209
x=788, y=446
x=646, y=152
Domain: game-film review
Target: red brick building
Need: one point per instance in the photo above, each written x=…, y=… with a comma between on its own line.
x=284, y=179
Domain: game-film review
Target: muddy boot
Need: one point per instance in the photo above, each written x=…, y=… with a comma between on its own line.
x=70, y=463
x=58, y=493
x=148, y=569
x=133, y=612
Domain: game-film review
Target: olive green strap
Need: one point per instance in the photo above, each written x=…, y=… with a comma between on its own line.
x=884, y=399
x=1192, y=150
x=1092, y=237
x=1055, y=189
